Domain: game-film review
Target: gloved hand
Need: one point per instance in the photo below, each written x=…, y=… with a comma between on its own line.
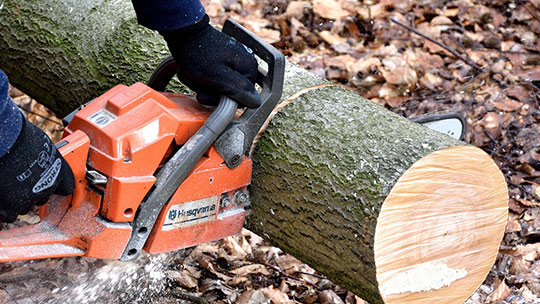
x=32, y=171
x=213, y=64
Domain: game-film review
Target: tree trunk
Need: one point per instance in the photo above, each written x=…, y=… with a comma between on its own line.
x=386, y=208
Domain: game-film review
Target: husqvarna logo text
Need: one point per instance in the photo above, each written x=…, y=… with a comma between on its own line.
x=191, y=213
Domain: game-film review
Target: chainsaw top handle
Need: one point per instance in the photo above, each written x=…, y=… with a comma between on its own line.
x=238, y=137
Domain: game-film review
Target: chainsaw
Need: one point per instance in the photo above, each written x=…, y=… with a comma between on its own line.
x=154, y=171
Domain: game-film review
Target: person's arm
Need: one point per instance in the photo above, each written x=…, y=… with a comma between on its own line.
x=167, y=15
x=211, y=63
x=10, y=117
x=31, y=166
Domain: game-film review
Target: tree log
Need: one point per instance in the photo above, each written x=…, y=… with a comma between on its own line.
x=386, y=208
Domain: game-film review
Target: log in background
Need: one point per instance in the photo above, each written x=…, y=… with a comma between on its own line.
x=68, y=55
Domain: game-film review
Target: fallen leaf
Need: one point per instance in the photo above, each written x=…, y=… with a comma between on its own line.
x=520, y=14
x=212, y=286
x=339, y=62
x=269, y=35
x=515, y=206
x=394, y=62
x=329, y=297
x=296, y=9
x=507, y=104
x=258, y=297
x=513, y=226
x=431, y=60
x=429, y=30
x=329, y=9
x=431, y=81
x=441, y=20
x=519, y=92
x=238, y=281
x=253, y=268
x=276, y=296
x=529, y=203
x=401, y=76
x=331, y=38
x=530, y=252
x=4, y=296
x=395, y=102
x=535, y=269
x=372, y=11
x=451, y=12
x=363, y=66
x=183, y=279
x=389, y=91
x=528, y=295
x=245, y=297
x=288, y=263
x=214, y=9
x=500, y=293
x=386, y=51
x=491, y=122
x=13, y=92
x=206, y=262
x=29, y=218
x=233, y=247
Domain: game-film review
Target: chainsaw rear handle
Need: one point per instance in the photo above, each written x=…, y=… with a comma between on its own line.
x=238, y=137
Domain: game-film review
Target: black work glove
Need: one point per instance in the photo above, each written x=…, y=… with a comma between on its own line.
x=213, y=64
x=32, y=171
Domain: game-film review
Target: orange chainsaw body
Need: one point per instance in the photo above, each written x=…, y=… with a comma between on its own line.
x=122, y=138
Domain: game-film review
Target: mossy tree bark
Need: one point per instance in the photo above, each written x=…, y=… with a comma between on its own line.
x=336, y=177
x=65, y=53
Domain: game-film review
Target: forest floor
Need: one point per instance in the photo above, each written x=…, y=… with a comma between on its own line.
x=478, y=58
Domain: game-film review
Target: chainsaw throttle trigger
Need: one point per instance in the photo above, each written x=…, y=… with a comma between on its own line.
x=238, y=137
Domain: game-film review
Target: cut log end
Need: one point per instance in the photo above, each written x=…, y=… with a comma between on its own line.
x=439, y=229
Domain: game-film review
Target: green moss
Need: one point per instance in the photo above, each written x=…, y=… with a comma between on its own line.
x=67, y=56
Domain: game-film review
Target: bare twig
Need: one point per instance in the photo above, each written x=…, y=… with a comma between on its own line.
x=188, y=297
x=482, y=49
x=39, y=115
x=534, y=95
x=533, y=14
x=311, y=274
x=18, y=277
x=453, y=52
x=283, y=273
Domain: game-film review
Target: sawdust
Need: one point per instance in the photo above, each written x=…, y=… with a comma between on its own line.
x=424, y=277
x=136, y=281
